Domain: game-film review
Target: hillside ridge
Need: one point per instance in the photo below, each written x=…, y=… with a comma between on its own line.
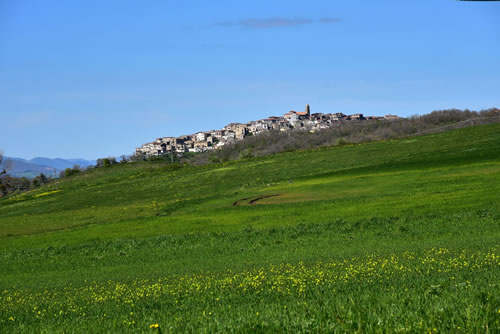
x=146, y=190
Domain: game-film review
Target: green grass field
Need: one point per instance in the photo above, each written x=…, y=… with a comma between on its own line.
x=392, y=236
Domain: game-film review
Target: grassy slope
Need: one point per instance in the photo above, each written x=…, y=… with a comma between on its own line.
x=148, y=220
x=433, y=184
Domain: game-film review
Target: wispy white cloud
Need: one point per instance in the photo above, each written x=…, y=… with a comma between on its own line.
x=330, y=20
x=275, y=22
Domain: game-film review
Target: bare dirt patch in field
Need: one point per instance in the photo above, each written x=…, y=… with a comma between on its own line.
x=252, y=200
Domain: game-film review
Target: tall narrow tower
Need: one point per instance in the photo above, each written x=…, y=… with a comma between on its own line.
x=308, y=110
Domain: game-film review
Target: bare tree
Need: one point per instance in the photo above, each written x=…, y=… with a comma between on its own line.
x=4, y=171
x=7, y=164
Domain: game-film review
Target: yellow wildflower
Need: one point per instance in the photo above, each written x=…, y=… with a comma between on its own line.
x=154, y=326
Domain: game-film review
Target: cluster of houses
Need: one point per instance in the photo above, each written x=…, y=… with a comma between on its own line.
x=210, y=140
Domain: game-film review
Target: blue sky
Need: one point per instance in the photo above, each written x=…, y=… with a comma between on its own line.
x=91, y=79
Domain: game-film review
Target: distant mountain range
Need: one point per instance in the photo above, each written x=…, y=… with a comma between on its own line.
x=33, y=167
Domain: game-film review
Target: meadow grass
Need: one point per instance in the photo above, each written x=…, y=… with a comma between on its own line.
x=126, y=247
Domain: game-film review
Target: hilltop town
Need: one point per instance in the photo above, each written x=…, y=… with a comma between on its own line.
x=209, y=140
